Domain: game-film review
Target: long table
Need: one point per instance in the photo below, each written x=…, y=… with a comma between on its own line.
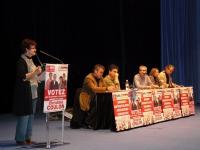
x=104, y=112
x=127, y=109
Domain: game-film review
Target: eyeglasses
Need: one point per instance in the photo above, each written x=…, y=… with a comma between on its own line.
x=143, y=70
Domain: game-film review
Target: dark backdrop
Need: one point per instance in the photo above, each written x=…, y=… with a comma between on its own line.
x=81, y=33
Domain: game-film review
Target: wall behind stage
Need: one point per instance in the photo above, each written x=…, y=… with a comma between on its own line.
x=81, y=33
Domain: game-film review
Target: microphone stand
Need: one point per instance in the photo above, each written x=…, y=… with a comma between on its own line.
x=47, y=114
x=52, y=56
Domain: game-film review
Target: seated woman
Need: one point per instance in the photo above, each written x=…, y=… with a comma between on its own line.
x=153, y=75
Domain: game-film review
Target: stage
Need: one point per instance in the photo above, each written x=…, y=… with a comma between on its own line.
x=179, y=134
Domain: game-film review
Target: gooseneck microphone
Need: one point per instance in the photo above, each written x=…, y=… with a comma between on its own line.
x=41, y=64
x=51, y=56
x=39, y=60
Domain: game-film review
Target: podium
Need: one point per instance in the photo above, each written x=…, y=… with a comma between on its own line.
x=55, y=93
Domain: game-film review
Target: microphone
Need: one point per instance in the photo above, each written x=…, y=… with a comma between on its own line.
x=39, y=60
x=41, y=64
x=51, y=56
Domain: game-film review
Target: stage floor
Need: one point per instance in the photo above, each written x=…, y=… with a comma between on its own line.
x=179, y=134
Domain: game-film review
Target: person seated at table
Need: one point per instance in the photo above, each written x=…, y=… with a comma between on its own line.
x=142, y=80
x=153, y=75
x=165, y=77
x=112, y=78
x=92, y=84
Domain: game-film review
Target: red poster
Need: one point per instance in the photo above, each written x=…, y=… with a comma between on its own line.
x=177, y=104
x=168, y=104
x=121, y=104
x=191, y=101
x=157, y=99
x=136, y=109
x=147, y=107
x=55, y=92
x=184, y=95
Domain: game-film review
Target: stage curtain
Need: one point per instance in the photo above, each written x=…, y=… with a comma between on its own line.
x=179, y=41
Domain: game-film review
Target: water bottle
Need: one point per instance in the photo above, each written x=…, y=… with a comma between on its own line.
x=127, y=85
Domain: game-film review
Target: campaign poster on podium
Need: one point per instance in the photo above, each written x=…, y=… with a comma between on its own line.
x=55, y=91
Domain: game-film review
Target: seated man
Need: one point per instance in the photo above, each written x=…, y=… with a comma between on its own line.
x=112, y=78
x=142, y=80
x=165, y=77
x=93, y=83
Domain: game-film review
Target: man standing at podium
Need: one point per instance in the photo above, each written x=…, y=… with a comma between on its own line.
x=25, y=96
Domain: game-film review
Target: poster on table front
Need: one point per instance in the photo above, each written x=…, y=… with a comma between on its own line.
x=157, y=101
x=121, y=105
x=177, y=104
x=147, y=107
x=191, y=101
x=136, y=109
x=55, y=91
x=184, y=96
x=168, y=104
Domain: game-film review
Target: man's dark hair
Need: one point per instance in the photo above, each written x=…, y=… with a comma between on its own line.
x=113, y=66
